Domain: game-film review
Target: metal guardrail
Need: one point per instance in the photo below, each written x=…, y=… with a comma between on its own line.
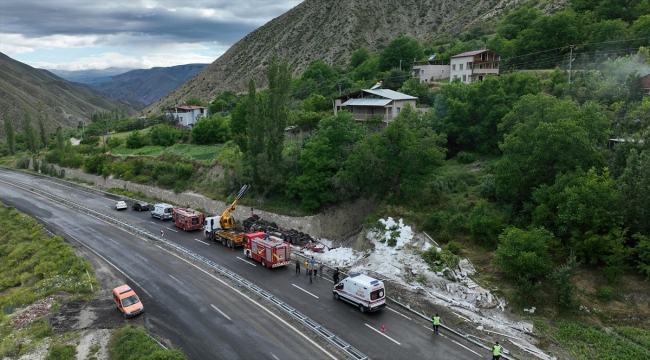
x=318, y=329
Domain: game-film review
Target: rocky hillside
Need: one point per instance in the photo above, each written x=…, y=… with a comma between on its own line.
x=145, y=86
x=22, y=85
x=330, y=30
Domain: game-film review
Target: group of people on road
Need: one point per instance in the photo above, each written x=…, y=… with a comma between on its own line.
x=311, y=269
x=496, y=349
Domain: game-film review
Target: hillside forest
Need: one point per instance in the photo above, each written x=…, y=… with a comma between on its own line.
x=519, y=164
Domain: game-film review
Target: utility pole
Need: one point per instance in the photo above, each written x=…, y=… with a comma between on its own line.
x=570, y=62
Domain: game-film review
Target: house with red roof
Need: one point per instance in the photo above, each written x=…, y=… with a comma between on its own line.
x=645, y=84
x=188, y=115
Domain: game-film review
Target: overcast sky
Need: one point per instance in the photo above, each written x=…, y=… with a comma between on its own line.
x=96, y=34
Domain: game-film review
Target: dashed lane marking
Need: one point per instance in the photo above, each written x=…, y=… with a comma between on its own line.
x=246, y=261
x=141, y=258
x=175, y=279
x=170, y=229
x=305, y=291
x=221, y=312
x=201, y=241
x=384, y=335
x=397, y=312
x=459, y=344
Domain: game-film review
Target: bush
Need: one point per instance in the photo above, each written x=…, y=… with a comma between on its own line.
x=94, y=164
x=183, y=171
x=23, y=162
x=524, y=253
x=135, y=140
x=167, y=180
x=132, y=343
x=431, y=257
x=164, y=135
x=141, y=179
x=465, y=157
x=89, y=140
x=454, y=248
x=605, y=293
x=76, y=161
x=115, y=142
x=61, y=352
x=484, y=225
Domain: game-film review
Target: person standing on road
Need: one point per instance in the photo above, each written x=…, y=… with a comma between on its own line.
x=312, y=262
x=306, y=267
x=310, y=273
x=297, y=266
x=316, y=266
x=162, y=234
x=336, y=276
x=496, y=351
x=436, y=323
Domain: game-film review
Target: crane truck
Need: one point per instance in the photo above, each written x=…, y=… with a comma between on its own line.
x=222, y=228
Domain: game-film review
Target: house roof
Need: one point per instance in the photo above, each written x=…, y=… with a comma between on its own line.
x=472, y=53
x=186, y=107
x=645, y=82
x=367, y=102
x=390, y=94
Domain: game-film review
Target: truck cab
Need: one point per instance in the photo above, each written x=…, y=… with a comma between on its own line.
x=368, y=293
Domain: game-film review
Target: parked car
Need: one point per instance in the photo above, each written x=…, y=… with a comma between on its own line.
x=121, y=205
x=141, y=206
x=127, y=301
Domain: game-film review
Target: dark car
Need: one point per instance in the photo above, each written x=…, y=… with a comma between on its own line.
x=141, y=206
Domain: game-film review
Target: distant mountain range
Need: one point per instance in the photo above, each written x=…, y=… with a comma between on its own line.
x=66, y=103
x=91, y=76
x=330, y=30
x=137, y=87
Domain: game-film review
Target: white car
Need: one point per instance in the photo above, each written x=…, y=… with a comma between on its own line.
x=121, y=205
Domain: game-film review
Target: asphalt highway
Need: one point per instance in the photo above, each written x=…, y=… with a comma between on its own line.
x=188, y=295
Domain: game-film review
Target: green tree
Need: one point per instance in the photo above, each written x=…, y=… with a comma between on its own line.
x=358, y=57
x=135, y=140
x=546, y=136
x=400, y=53
x=255, y=130
x=524, y=253
x=164, y=135
x=562, y=280
x=238, y=125
x=484, y=225
x=10, y=134
x=633, y=186
x=367, y=70
x=194, y=101
x=31, y=138
x=115, y=142
x=278, y=75
x=320, y=72
x=415, y=88
x=517, y=21
x=405, y=152
x=643, y=253
x=43, y=119
x=316, y=103
x=321, y=158
x=212, y=130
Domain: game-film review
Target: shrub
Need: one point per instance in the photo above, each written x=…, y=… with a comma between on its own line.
x=115, y=142
x=484, y=225
x=465, y=157
x=94, y=164
x=23, y=162
x=605, y=293
x=161, y=168
x=167, y=179
x=135, y=140
x=89, y=140
x=133, y=343
x=141, y=179
x=454, y=247
x=524, y=253
x=164, y=135
x=76, y=161
x=184, y=171
x=61, y=352
x=431, y=256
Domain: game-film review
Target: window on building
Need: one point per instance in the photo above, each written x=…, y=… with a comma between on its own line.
x=443, y=71
x=455, y=76
x=469, y=66
x=398, y=110
x=460, y=66
x=453, y=67
x=464, y=78
x=422, y=71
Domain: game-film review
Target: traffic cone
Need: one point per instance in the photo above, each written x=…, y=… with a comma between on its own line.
x=383, y=328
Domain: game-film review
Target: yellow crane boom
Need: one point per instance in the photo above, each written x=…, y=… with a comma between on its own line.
x=226, y=221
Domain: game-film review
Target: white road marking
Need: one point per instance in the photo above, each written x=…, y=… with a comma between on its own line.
x=397, y=312
x=170, y=229
x=73, y=195
x=221, y=312
x=381, y=333
x=141, y=258
x=175, y=279
x=201, y=241
x=275, y=357
x=459, y=344
x=246, y=261
x=152, y=222
x=299, y=332
x=108, y=206
x=305, y=291
x=113, y=241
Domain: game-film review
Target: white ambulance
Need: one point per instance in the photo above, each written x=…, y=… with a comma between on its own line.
x=363, y=291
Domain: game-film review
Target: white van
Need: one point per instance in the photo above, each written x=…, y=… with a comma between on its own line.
x=363, y=291
x=162, y=211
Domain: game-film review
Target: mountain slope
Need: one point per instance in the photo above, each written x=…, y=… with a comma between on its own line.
x=67, y=104
x=89, y=76
x=145, y=86
x=330, y=30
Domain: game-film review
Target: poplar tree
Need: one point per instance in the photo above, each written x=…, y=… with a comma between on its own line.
x=43, y=116
x=11, y=136
x=279, y=76
x=30, y=133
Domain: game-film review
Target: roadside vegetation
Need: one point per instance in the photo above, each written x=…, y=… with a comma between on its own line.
x=516, y=172
x=133, y=343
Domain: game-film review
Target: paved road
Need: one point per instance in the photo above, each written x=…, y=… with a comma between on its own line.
x=407, y=336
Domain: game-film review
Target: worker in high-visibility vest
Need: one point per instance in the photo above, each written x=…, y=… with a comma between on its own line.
x=496, y=351
x=436, y=323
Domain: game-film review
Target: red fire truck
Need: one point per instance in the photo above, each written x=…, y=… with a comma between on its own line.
x=187, y=219
x=271, y=251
